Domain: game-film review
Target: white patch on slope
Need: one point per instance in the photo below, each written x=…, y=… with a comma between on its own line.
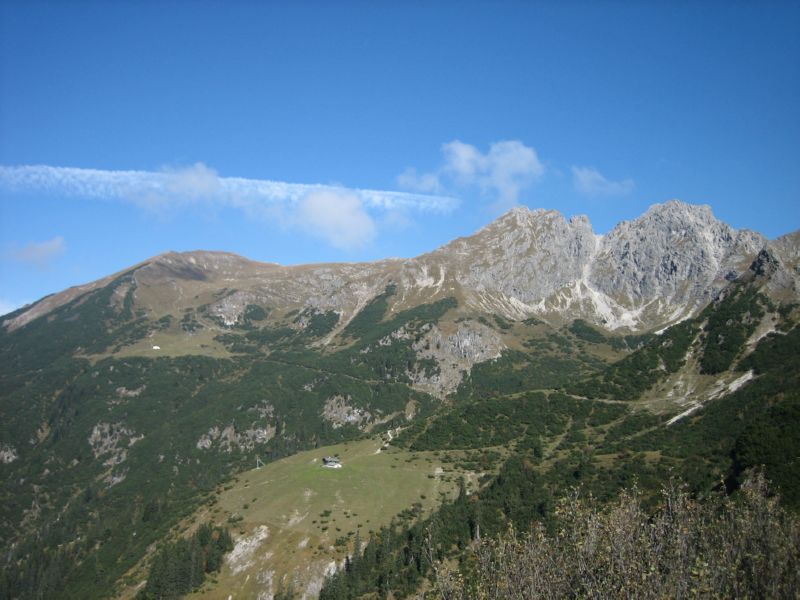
x=296, y=518
x=241, y=557
x=265, y=578
x=424, y=280
x=719, y=390
x=612, y=314
x=315, y=585
x=440, y=283
x=737, y=383
x=685, y=413
x=678, y=316
x=8, y=454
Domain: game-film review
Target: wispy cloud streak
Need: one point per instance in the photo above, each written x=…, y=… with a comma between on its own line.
x=343, y=217
x=39, y=254
x=590, y=181
x=198, y=183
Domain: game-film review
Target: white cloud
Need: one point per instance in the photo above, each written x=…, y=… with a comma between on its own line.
x=590, y=181
x=422, y=182
x=39, y=254
x=342, y=216
x=168, y=190
x=502, y=172
x=338, y=217
x=463, y=160
x=396, y=220
x=198, y=183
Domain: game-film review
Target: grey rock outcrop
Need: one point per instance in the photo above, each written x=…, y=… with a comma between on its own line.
x=527, y=255
x=676, y=256
x=644, y=274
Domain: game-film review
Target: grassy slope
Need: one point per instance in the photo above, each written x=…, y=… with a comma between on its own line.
x=290, y=497
x=173, y=343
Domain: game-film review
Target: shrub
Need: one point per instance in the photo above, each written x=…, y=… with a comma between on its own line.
x=740, y=546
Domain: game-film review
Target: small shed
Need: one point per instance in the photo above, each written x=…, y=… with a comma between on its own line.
x=331, y=462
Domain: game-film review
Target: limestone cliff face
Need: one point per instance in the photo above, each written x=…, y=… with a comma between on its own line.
x=644, y=274
x=526, y=255
x=675, y=254
x=785, y=283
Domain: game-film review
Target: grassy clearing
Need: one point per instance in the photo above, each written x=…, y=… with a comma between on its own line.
x=294, y=519
x=172, y=344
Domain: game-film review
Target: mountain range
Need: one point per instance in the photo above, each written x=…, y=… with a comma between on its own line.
x=643, y=274
x=132, y=405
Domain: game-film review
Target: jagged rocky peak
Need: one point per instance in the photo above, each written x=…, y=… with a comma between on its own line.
x=787, y=249
x=675, y=252
x=784, y=256
x=765, y=264
x=525, y=254
x=645, y=273
x=527, y=221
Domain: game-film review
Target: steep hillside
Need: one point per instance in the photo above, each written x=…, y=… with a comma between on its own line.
x=626, y=433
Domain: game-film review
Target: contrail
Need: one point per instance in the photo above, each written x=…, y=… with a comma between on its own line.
x=196, y=183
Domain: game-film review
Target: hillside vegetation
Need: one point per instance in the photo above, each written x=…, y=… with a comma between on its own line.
x=607, y=451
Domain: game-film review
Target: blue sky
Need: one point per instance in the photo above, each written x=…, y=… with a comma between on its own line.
x=130, y=129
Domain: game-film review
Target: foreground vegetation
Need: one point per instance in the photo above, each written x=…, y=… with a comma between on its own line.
x=745, y=546
x=742, y=546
